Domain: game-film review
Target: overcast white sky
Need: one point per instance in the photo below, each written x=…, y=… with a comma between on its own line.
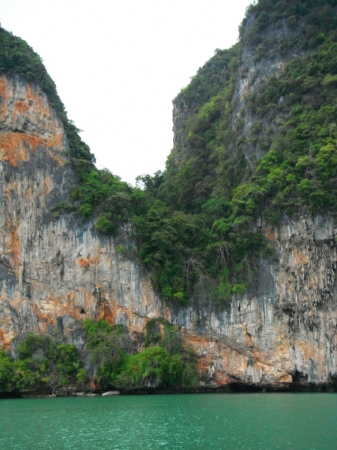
x=118, y=64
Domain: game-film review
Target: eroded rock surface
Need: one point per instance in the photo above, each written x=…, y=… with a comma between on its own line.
x=55, y=271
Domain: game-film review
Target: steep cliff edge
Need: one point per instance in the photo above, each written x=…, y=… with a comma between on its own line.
x=54, y=270
x=274, y=329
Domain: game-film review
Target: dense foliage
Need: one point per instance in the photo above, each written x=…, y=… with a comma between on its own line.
x=310, y=17
x=299, y=170
x=164, y=363
x=42, y=363
x=208, y=179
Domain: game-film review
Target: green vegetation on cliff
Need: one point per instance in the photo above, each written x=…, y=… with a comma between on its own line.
x=43, y=363
x=213, y=176
x=17, y=57
x=164, y=363
x=298, y=171
x=194, y=223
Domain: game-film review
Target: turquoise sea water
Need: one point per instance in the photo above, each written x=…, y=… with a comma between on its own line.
x=215, y=421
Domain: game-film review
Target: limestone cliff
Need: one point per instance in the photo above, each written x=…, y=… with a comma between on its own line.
x=54, y=271
x=57, y=270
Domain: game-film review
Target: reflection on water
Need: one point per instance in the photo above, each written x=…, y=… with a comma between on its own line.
x=222, y=421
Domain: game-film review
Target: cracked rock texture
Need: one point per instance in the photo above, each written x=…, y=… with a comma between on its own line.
x=56, y=271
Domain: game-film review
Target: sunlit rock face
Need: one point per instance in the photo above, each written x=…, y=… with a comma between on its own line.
x=286, y=331
x=55, y=271
x=282, y=333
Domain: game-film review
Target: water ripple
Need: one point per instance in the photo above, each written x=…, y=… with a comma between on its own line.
x=221, y=421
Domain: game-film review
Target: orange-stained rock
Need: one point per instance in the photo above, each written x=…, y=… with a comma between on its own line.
x=54, y=272
x=15, y=247
x=15, y=147
x=20, y=107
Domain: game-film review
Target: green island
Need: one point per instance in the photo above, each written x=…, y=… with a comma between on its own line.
x=194, y=223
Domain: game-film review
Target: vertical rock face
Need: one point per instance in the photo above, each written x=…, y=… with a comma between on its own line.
x=284, y=329
x=56, y=271
x=53, y=271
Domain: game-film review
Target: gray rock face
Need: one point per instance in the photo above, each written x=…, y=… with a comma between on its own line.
x=55, y=271
x=258, y=63
x=272, y=337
